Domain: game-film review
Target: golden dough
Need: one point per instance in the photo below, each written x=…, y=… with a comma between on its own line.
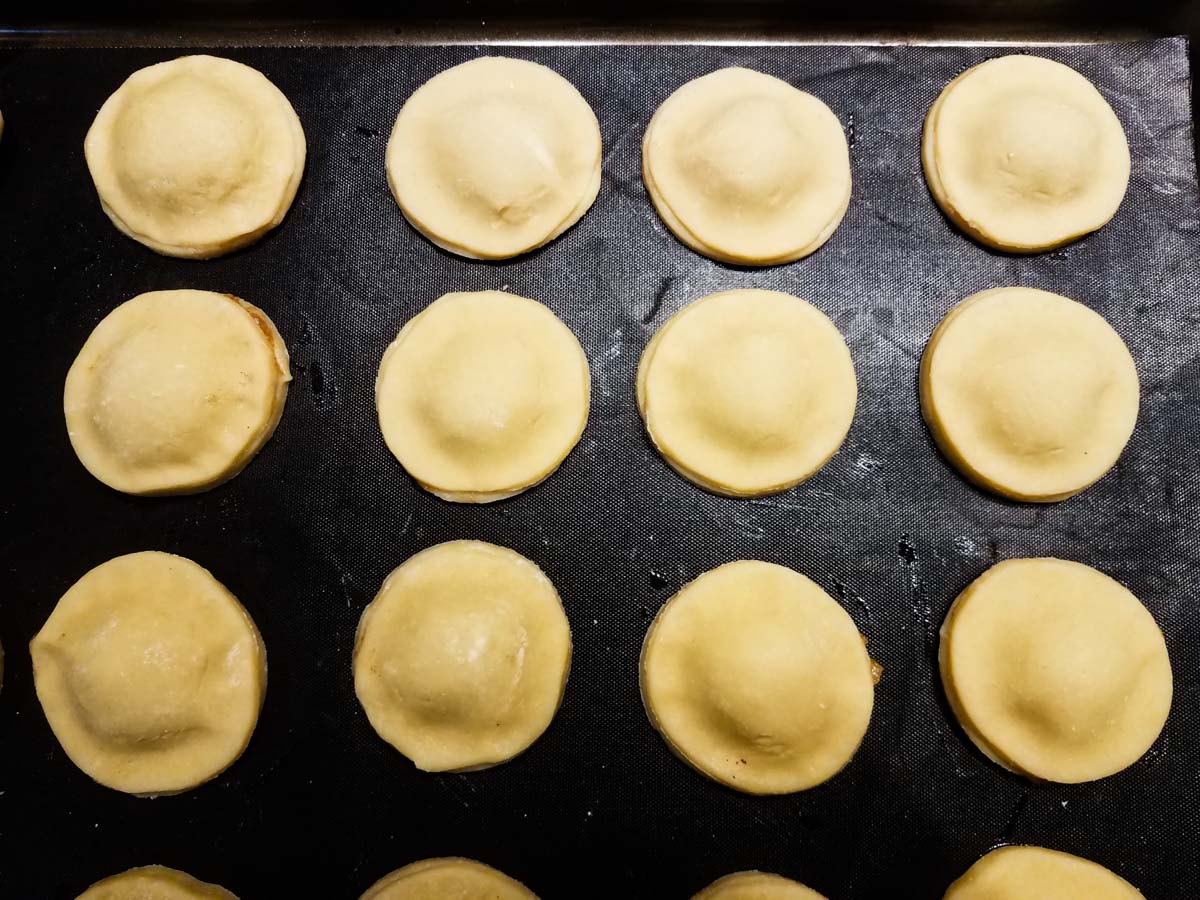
x=1024, y=154
x=756, y=886
x=196, y=157
x=1024, y=873
x=494, y=157
x=746, y=169
x=154, y=883
x=1028, y=393
x=747, y=392
x=482, y=395
x=175, y=392
x=461, y=659
x=1055, y=671
x=150, y=673
x=756, y=678
x=449, y=877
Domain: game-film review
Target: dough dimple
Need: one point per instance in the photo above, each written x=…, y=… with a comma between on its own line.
x=744, y=168
x=1020, y=873
x=756, y=886
x=461, y=659
x=150, y=673
x=176, y=391
x=758, y=679
x=197, y=156
x=1055, y=670
x=1024, y=154
x=1030, y=394
x=482, y=395
x=494, y=157
x=154, y=883
x=747, y=392
x=452, y=877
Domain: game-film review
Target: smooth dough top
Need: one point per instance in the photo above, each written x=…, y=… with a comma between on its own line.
x=175, y=391
x=150, y=673
x=1025, y=154
x=745, y=168
x=450, y=878
x=461, y=659
x=154, y=883
x=197, y=156
x=1023, y=873
x=482, y=395
x=747, y=392
x=1029, y=394
x=494, y=157
x=758, y=679
x=756, y=886
x=1055, y=670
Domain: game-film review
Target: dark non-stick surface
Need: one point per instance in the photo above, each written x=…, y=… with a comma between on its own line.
x=319, y=806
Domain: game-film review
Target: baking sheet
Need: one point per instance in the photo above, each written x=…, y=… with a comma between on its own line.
x=319, y=806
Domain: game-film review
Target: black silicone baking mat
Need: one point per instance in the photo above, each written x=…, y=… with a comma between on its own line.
x=319, y=806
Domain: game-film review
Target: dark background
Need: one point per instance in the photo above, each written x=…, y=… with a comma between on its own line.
x=319, y=806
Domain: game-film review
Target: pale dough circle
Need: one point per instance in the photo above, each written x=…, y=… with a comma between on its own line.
x=448, y=877
x=747, y=392
x=154, y=883
x=1023, y=873
x=461, y=659
x=758, y=679
x=1030, y=394
x=1024, y=154
x=150, y=673
x=746, y=169
x=756, y=886
x=196, y=157
x=482, y=395
x=494, y=157
x=175, y=392
x=1055, y=671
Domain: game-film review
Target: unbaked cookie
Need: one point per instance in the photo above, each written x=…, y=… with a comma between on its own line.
x=756, y=886
x=196, y=157
x=747, y=392
x=1024, y=873
x=461, y=659
x=150, y=673
x=439, y=879
x=746, y=169
x=154, y=883
x=175, y=391
x=482, y=395
x=1024, y=154
x=1055, y=671
x=1028, y=393
x=494, y=157
x=758, y=679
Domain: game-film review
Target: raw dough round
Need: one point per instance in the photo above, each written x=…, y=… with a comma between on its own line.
x=482, y=395
x=747, y=392
x=150, y=673
x=758, y=679
x=756, y=886
x=1028, y=393
x=461, y=659
x=746, y=169
x=1055, y=671
x=154, y=883
x=1024, y=154
x=494, y=157
x=1022, y=873
x=449, y=877
x=175, y=392
x=196, y=157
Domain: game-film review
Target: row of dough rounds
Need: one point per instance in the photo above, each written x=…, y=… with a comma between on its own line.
x=492, y=158
x=152, y=674
x=482, y=395
x=1008, y=873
